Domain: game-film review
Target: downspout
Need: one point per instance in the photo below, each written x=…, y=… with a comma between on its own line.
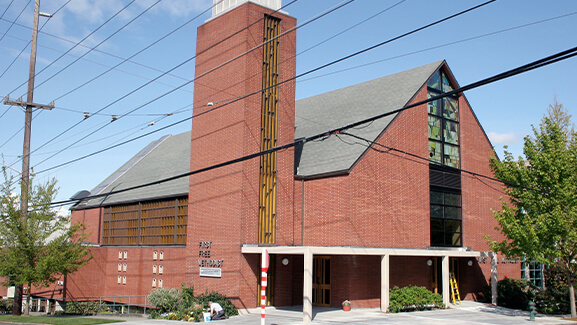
x=302, y=212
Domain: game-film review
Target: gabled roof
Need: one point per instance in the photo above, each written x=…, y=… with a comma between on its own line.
x=163, y=158
x=337, y=108
x=170, y=155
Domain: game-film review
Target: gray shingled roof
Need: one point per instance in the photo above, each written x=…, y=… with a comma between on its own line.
x=163, y=158
x=337, y=108
x=170, y=155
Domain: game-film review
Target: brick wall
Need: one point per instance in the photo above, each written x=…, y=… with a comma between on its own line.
x=100, y=276
x=223, y=203
x=383, y=202
x=92, y=219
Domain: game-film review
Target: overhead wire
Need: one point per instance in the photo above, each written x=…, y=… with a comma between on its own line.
x=8, y=7
x=97, y=45
x=95, y=50
x=440, y=46
x=76, y=45
x=163, y=73
x=277, y=84
x=378, y=61
x=197, y=77
x=560, y=56
x=29, y=42
x=371, y=143
x=104, y=65
x=18, y=17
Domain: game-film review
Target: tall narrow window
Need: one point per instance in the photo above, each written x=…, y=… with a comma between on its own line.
x=445, y=158
x=446, y=220
x=269, y=132
x=443, y=123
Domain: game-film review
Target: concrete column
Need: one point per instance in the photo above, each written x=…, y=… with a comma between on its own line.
x=493, y=277
x=385, y=283
x=445, y=280
x=308, y=287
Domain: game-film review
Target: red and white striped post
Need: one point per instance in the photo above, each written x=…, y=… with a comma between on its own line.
x=263, y=279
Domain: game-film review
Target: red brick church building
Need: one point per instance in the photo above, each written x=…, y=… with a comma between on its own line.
x=394, y=202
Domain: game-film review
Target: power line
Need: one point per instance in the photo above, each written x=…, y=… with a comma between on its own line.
x=86, y=37
x=374, y=62
x=103, y=41
x=371, y=143
x=90, y=48
x=163, y=74
x=341, y=130
x=25, y=47
x=20, y=14
x=199, y=76
x=264, y=89
x=442, y=45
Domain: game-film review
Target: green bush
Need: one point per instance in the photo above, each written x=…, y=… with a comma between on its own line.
x=413, y=298
x=555, y=298
x=175, y=304
x=224, y=302
x=6, y=306
x=515, y=293
x=83, y=307
x=166, y=300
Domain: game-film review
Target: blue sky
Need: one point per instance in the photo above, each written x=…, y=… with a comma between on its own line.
x=520, y=31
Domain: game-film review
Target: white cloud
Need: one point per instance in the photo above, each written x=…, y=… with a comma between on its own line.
x=503, y=138
x=183, y=8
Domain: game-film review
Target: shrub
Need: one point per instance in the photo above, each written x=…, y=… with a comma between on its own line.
x=515, y=293
x=83, y=307
x=6, y=306
x=166, y=300
x=175, y=304
x=224, y=302
x=413, y=298
x=555, y=298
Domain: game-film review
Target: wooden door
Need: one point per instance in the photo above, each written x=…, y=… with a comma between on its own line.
x=322, y=281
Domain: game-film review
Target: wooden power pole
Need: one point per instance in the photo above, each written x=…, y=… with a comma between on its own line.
x=29, y=104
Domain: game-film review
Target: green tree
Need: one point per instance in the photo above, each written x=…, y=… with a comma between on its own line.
x=540, y=219
x=39, y=249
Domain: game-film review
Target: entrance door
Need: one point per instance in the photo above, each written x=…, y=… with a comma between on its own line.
x=436, y=270
x=322, y=281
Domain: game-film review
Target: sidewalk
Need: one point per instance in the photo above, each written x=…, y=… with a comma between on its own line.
x=469, y=313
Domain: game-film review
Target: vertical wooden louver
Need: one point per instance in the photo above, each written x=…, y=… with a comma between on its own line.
x=269, y=132
x=160, y=222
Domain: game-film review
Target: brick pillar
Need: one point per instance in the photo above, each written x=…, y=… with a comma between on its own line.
x=223, y=205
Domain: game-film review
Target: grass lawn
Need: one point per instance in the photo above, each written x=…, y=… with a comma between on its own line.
x=56, y=320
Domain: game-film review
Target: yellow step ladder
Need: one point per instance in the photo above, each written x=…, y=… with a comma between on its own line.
x=454, y=288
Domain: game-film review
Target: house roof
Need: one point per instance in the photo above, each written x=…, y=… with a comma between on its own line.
x=170, y=155
x=163, y=158
x=335, y=155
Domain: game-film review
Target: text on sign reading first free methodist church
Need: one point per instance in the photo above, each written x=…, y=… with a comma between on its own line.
x=204, y=254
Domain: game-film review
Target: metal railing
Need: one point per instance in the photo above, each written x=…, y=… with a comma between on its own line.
x=123, y=305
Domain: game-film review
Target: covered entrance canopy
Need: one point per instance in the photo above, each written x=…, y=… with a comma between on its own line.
x=309, y=252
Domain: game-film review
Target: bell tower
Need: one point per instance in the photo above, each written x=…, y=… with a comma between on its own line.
x=242, y=106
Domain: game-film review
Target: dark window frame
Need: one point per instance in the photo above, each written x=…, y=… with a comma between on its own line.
x=443, y=143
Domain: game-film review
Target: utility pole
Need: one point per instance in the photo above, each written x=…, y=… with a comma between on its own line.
x=29, y=104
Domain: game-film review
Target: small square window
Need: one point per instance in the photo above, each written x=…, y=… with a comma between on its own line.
x=160, y=269
x=124, y=266
x=154, y=255
x=161, y=255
